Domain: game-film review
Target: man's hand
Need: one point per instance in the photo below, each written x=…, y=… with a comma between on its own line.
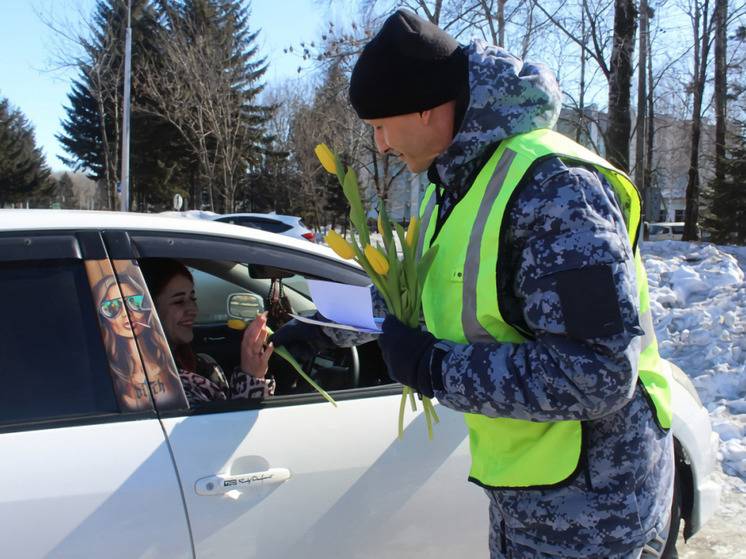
x=407, y=353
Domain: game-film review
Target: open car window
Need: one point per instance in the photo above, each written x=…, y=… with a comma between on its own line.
x=217, y=284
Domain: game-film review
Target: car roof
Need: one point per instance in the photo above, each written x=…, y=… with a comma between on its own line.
x=78, y=220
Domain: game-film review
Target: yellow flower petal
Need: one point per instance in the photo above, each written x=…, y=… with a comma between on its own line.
x=377, y=260
x=339, y=245
x=409, y=237
x=326, y=157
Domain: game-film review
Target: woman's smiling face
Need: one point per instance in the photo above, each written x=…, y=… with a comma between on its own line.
x=177, y=309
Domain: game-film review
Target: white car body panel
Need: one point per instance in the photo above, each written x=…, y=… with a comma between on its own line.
x=692, y=428
x=355, y=490
x=107, y=490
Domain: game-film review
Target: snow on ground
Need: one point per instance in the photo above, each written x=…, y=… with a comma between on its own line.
x=698, y=299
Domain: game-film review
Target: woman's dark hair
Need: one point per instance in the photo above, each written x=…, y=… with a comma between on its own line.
x=159, y=271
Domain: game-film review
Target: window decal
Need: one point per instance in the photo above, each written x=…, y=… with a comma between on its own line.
x=118, y=334
x=160, y=369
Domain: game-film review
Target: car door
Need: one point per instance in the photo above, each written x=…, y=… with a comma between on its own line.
x=86, y=470
x=295, y=476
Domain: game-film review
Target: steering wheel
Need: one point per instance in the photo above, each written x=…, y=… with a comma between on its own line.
x=279, y=306
x=343, y=368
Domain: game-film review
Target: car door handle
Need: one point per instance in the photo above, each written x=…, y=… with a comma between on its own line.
x=223, y=483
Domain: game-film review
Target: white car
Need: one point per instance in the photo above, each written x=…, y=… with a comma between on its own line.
x=665, y=231
x=289, y=225
x=91, y=468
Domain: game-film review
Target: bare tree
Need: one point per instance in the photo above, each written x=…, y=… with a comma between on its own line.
x=642, y=92
x=96, y=52
x=702, y=27
x=618, y=70
x=194, y=85
x=721, y=86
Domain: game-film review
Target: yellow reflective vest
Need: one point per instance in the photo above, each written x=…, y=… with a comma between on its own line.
x=460, y=303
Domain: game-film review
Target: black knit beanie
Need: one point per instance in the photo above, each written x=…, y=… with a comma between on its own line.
x=411, y=65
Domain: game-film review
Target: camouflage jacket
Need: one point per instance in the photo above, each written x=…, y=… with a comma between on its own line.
x=565, y=234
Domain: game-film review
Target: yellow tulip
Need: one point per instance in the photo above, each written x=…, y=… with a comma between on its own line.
x=377, y=260
x=326, y=157
x=339, y=245
x=409, y=237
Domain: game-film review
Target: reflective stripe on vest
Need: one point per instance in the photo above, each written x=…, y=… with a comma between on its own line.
x=460, y=303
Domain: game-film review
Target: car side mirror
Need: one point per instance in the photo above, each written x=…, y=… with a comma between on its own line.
x=245, y=306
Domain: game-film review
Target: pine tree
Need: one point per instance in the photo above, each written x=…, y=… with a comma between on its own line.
x=65, y=193
x=92, y=130
x=205, y=83
x=23, y=172
x=726, y=219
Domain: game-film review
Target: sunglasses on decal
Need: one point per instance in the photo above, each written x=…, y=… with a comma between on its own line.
x=111, y=308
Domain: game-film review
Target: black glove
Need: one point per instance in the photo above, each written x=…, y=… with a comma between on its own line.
x=408, y=353
x=294, y=333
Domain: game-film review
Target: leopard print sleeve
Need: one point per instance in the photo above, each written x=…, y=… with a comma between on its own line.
x=243, y=385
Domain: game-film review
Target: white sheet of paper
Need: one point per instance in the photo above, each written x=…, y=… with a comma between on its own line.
x=348, y=305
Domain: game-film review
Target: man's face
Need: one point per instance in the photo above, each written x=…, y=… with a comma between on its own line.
x=407, y=137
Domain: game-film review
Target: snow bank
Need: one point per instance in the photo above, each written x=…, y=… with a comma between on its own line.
x=698, y=299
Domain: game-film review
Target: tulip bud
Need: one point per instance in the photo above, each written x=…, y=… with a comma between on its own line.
x=409, y=237
x=377, y=260
x=326, y=157
x=339, y=245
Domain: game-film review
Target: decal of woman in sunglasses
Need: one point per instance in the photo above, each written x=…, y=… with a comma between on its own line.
x=119, y=339
x=126, y=331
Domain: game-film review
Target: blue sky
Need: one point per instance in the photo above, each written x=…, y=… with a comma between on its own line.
x=27, y=48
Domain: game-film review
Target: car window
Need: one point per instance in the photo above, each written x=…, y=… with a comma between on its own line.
x=52, y=359
x=267, y=225
x=678, y=229
x=212, y=294
x=216, y=281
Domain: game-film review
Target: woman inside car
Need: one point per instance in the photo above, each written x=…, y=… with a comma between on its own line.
x=172, y=288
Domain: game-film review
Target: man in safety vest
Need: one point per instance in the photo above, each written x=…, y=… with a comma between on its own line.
x=536, y=307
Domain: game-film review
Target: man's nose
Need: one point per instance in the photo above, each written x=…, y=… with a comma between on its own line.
x=381, y=144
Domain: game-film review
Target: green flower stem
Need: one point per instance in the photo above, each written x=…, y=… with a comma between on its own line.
x=402, y=405
x=428, y=420
x=285, y=354
x=428, y=404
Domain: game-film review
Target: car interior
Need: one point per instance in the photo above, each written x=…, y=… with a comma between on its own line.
x=229, y=290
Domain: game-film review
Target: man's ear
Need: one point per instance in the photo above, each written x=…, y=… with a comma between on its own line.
x=425, y=116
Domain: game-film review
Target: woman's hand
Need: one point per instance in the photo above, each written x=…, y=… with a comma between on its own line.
x=255, y=351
